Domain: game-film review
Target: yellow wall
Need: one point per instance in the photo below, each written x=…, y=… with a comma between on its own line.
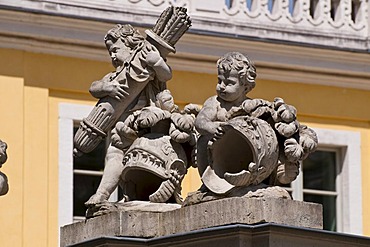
x=33, y=85
x=11, y=131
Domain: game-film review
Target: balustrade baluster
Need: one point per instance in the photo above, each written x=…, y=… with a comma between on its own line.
x=335, y=9
x=315, y=9
x=355, y=11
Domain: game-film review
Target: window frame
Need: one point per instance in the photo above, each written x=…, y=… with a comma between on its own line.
x=86, y=172
x=347, y=145
x=69, y=114
x=298, y=191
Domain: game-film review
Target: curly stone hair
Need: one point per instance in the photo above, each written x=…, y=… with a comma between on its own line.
x=241, y=63
x=126, y=33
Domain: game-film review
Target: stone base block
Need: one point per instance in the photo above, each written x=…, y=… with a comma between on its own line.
x=237, y=210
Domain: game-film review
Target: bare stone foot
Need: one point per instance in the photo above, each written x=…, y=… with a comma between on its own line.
x=96, y=199
x=100, y=209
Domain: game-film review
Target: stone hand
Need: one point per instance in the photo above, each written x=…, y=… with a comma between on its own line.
x=219, y=132
x=151, y=55
x=116, y=90
x=97, y=198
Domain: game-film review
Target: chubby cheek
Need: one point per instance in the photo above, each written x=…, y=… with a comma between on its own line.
x=235, y=90
x=121, y=56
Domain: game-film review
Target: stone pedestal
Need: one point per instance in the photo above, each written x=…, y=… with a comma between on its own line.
x=149, y=221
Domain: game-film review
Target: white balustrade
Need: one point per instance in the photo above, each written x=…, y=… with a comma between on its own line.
x=337, y=23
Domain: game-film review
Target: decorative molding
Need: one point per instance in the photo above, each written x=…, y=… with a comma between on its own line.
x=338, y=26
x=82, y=38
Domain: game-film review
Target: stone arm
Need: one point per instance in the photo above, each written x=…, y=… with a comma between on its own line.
x=157, y=63
x=206, y=122
x=97, y=88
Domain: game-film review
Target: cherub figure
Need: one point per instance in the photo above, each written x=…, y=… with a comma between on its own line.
x=236, y=78
x=134, y=58
x=134, y=102
x=126, y=45
x=4, y=187
x=247, y=144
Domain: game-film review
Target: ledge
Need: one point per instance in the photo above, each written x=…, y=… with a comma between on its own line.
x=145, y=224
x=261, y=235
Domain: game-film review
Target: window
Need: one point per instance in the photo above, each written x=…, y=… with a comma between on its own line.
x=332, y=177
x=318, y=182
x=78, y=177
x=334, y=9
x=293, y=7
x=87, y=174
x=314, y=9
x=356, y=10
x=229, y=3
x=271, y=5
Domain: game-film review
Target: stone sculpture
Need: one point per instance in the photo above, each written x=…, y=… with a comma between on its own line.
x=246, y=146
x=152, y=140
x=4, y=186
x=241, y=146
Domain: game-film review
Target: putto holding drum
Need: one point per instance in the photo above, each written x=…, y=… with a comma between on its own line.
x=247, y=146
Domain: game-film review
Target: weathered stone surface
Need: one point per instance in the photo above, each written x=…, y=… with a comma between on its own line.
x=260, y=191
x=145, y=206
x=107, y=225
x=208, y=214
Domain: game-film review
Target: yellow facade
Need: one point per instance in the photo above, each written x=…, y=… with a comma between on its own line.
x=33, y=85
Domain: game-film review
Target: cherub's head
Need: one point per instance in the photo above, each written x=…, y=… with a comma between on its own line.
x=121, y=42
x=236, y=76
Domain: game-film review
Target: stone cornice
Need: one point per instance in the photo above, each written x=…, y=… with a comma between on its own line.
x=40, y=33
x=343, y=26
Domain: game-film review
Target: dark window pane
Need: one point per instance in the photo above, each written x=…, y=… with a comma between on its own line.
x=329, y=209
x=120, y=193
x=91, y=161
x=84, y=187
x=319, y=171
